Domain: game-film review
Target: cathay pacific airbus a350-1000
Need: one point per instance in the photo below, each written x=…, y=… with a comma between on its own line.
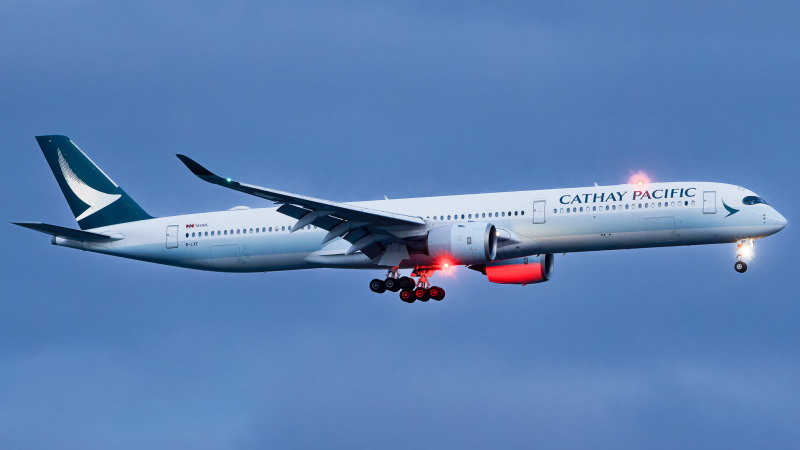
x=510, y=237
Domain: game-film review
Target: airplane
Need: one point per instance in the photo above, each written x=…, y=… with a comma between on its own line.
x=510, y=237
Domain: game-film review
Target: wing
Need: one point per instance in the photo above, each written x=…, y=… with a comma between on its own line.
x=366, y=229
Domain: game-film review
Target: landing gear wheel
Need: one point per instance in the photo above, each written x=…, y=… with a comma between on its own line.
x=406, y=284
x=377, y=286
x=740, y=266
x=407, y=296
x=422, y=294
x=437, y=293
x=392, y=284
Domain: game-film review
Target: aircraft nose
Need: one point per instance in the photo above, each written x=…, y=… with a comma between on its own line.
x=778, y=220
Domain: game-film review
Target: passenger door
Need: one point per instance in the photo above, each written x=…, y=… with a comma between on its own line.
x=539, y=207
x=709, y=202
x=172, y=236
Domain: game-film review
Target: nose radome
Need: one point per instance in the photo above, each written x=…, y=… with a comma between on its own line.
x=780, y=221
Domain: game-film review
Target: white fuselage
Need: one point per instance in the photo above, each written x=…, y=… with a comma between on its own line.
x=528, y=223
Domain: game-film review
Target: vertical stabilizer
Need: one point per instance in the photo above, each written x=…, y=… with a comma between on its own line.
x=95, y=200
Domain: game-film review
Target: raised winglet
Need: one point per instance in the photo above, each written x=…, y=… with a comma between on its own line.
x=194, y=166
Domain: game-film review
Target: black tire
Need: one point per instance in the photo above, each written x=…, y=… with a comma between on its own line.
x=377, y=286
x=422, y=294
x=437, y=293
x=740, y=266
x=407, y=296
x=392, y=284
x=407, y=284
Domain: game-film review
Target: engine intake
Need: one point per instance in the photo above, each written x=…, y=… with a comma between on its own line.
x=464, y=243
x=528, y=270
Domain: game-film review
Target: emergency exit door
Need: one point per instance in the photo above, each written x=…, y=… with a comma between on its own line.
x=709, y=202
x=538, y=211
x=172, y=236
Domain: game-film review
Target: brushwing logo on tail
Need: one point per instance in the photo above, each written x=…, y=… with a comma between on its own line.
x=95, y=199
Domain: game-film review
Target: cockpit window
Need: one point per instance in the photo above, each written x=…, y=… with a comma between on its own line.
x=753, y=200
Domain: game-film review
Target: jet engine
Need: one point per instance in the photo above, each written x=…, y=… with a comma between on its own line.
x=527, y=270
x=464, y=243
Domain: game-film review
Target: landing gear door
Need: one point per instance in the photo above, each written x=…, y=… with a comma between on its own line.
x=709, y=202
x=539, y=207
x=172, y=236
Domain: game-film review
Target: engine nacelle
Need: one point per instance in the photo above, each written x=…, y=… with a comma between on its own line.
x=528, y=270
x=464, y=243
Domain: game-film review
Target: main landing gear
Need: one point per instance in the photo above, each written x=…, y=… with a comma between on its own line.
x=410, y=291
x=743, y=250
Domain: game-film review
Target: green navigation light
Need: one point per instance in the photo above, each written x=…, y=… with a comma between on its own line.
x=228, y=179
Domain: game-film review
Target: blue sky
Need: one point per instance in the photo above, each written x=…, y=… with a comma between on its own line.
x=659, y=348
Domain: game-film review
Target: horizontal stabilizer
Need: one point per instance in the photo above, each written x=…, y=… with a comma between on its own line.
x=67, y=233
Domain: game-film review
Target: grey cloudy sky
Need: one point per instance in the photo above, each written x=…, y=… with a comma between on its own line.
x=663, y=348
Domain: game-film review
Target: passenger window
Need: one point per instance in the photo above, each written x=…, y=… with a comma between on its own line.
x=504, y=213
x=594, y=208
x=470, y=216
x=187, y=234
x=555, y=210
x=283, y=228
x=522, y=213
x=212, y=233
x=448, y=217
x=581, y=209
x=516, y=213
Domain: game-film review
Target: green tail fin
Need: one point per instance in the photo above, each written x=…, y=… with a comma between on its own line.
x=95, y=200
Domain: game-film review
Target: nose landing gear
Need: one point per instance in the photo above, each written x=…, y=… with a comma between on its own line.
x=743, y=250
x=409, y=290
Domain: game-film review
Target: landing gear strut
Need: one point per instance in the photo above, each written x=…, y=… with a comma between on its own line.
x=410, y=291
x=743, y=250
